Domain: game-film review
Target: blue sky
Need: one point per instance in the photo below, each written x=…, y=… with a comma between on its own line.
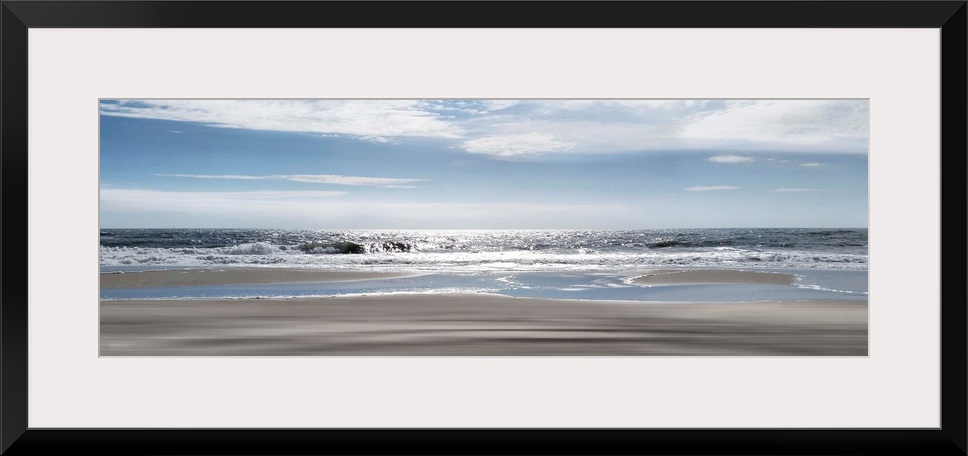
x=483, y=164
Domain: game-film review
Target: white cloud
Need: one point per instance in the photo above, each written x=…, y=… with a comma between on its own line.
x=348, y=180
x=789, y=190
x=217, y=176
x=799, y=124
x=581, y=126
x=505, y=128
x=333, y=179
x=811, y=164
x=511, y=145
x=497, y=105
x=364, y=118
x=730, y=159
x=610, y=126
x=379, y=139
x=710, y=188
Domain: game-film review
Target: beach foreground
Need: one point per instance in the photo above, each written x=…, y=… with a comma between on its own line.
x=478, y=325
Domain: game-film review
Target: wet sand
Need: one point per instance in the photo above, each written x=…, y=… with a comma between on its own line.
x=235, y=276
x=478, y=325
x=710, y=276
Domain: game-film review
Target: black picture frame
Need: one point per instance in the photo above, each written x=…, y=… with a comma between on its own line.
x=18, y=16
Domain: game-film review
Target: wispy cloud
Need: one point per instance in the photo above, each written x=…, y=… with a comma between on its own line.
x=333, y=179
x=511, y=145
x=811, y=165
x=789, y=190
x=606, y=126
x=508, y=128
x=217, y=176
x=710, y=188
x=349, y=180
x=379, y=139
x=822, y=124
x=730, y=159
x=363, y=118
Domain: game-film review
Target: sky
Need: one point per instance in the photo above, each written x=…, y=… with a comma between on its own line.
x=483, y=164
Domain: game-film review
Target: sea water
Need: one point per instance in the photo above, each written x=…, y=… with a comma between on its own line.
x=566, y=264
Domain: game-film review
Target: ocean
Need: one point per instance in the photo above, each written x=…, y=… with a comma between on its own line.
x=573, y=264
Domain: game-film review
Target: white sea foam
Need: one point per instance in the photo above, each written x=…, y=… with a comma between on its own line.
x=821, y=288
x=258, y=248
x=520, y=260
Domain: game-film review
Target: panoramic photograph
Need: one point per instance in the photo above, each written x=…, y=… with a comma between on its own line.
x=483, y=227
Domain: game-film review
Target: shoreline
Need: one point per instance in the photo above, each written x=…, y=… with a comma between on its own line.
x=479, y=325
x=237, y=276
x=249, y=275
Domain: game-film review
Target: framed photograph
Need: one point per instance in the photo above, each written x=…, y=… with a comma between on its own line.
x=483, y=227
x=467, y=227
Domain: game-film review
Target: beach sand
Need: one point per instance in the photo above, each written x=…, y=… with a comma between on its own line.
x=235, y=276
x=469, y=324
x=484, y=325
